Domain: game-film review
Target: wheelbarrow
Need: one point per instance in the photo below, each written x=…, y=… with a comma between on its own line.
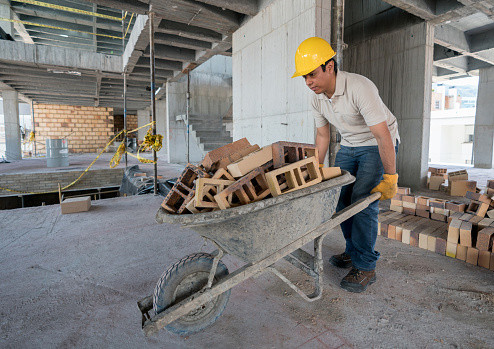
x=193, y=292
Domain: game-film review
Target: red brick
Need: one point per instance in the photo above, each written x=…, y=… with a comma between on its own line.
x=216, y=155
x=285, y=153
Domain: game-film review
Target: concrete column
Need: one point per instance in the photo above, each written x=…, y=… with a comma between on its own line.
x=12, y=127
x=162, y=129
x=176, y=141
x=5, y=12
x=143, y=118
x=268, y=105
x=483, y=149
x=400, y=64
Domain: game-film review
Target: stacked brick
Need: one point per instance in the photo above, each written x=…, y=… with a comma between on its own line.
x=88, y=129
x=458, y=182
x=240, y=173
x=451, y=228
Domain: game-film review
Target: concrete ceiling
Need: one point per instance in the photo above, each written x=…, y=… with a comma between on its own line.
x=187, y=33
x=464, y=34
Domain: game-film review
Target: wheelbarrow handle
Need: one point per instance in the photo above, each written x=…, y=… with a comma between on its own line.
x=354, y=208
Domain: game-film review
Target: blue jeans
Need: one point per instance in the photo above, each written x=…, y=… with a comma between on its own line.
x=360, y=231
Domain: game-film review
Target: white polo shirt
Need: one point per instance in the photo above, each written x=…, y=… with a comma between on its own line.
x=354, y=106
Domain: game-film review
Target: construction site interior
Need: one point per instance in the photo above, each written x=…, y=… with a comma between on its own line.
x=140, y=138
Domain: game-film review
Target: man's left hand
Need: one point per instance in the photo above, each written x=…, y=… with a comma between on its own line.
x=387, y=187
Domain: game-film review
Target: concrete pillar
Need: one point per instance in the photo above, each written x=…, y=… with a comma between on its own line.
x=162, y=129
x=176, y=141
x=12, y=127
x=483, y=149
x=143, y=118
x=400, y=64
x=5, y=12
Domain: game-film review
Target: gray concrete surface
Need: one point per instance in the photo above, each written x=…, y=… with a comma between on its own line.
x=72, y=281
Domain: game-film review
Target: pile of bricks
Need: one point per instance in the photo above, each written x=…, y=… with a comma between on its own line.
x=458, y=182
x=450, y=228
x=240, y=173
x=437, y=177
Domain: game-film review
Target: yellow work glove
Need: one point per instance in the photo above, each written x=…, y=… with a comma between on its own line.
x=387, y=187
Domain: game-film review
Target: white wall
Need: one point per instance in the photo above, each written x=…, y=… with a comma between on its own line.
x=268, y=105
x=449, y=135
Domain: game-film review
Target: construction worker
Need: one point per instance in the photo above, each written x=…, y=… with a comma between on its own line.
x=369, y=144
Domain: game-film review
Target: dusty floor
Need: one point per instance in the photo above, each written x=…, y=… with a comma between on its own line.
x=79, y=162
x=72, y=281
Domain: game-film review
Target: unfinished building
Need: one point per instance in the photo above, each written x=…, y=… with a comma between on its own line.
x=82, y=77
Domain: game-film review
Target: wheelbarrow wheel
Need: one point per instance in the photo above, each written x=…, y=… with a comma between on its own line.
x=184, y=278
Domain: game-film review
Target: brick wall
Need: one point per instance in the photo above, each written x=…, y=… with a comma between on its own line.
x=88, y=129
x=119, y=123
x=48, y=181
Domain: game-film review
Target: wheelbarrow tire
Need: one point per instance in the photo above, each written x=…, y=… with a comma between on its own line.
x=184, y=278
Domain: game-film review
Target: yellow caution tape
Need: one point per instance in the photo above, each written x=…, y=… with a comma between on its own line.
x=30, y=139
x=154, y=142
x=71, y=9
x=53, y=27
x=128, y=26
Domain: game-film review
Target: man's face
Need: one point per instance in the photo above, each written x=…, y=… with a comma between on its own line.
x=317, y=80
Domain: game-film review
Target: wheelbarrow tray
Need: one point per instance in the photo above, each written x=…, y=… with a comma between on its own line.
x=257, y=230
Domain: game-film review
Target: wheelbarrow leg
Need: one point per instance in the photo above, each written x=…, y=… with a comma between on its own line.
x=145, y=306
x=311, y=265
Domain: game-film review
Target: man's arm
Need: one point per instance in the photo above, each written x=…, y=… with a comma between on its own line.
x=322, y=142
x=386, y=147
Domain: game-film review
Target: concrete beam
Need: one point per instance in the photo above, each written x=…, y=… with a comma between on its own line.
x=189, y=31
x=84, y=26
x=19, y=52
x=134, y=6
x=247, y=7
x=62, y=17
x=482, y=41
x=172, y=53
x=21, y=30
x=178, y=41
x=22, y=97
x=160, y=63
x=138, y=41
x=435, y=12
x=457, y=40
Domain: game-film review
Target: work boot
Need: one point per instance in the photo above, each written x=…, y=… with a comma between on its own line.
x=358, y=280
x=341, y=260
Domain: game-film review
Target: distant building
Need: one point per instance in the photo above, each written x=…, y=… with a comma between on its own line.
x=452, y=124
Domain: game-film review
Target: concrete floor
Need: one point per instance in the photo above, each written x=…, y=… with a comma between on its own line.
x=82, y=161
x=73, y=281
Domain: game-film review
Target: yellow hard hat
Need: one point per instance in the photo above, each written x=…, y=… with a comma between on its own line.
x=311, y=53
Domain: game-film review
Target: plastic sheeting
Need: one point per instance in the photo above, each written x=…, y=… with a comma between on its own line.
x=135, y=186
